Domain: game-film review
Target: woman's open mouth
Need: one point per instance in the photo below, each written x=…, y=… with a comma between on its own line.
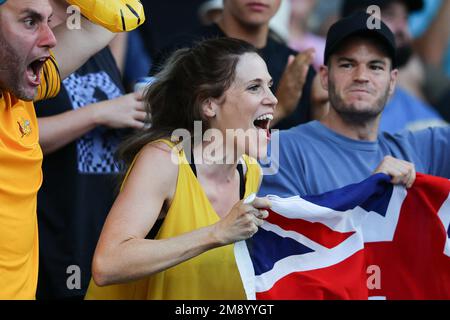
x=263, y=122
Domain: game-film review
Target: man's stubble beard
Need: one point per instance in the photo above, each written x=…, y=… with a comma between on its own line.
x=350, y=114
x=12, y=69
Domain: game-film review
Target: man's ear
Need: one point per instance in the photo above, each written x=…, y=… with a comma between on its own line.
x=323, y=73
x=209, y=108
x=393, y=81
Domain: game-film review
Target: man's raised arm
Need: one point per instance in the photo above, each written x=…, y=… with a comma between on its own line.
x=100, y=20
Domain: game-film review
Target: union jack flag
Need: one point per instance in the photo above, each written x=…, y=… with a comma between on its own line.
x=370, y=240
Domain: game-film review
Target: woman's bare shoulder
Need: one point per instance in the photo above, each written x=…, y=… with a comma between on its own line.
x=157, y=164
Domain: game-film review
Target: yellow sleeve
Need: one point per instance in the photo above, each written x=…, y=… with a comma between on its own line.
x=50, y=80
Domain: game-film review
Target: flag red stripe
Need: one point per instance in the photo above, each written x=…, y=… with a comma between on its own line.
x=345, y=280
x=315, y=231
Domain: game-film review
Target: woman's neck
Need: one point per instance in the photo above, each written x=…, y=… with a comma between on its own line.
x=212, y=165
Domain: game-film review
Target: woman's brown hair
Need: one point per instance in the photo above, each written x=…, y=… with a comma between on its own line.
x=189, y=77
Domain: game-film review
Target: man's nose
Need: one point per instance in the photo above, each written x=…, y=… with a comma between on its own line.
x=47, y=37
x=360, y=73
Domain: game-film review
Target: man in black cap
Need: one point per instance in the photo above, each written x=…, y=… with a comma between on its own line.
x=346, y=147
x=404, y=110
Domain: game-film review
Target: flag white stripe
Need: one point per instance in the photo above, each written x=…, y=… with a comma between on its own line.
x=298, y=208
x=245, y=267
x=376, y=228
x=444, y=216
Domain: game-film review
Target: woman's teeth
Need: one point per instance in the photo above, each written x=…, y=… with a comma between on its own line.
x=265, y=117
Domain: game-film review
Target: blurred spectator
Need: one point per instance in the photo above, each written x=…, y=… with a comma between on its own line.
x=165, y=19
x=210, y=11
x=80, y=172
x=403, y=110
x=249, y=21
x=431, y=28
x=279, y=24
x=300, y=37
x=137, y=60
x=443, y=105
x=131, y=57
x=326, y=13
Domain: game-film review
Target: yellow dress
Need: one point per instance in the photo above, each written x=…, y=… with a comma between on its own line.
x=212, y=275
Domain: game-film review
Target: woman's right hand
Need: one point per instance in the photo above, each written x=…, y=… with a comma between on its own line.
x=242, y=221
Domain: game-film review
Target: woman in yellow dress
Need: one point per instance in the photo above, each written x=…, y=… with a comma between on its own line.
x=171, y=231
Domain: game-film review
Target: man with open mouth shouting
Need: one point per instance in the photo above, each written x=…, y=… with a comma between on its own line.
x=29, y=54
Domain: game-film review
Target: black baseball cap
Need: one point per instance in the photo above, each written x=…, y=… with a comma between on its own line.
x=350, y=6
x=360, y=23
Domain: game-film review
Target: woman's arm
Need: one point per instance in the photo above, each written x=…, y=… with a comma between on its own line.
x=123, y=254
